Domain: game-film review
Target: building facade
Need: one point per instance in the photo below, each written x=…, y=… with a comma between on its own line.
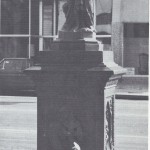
x=130, y=34
x=29, y=26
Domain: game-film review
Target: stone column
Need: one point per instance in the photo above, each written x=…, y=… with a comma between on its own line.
x=75, y=84
x=118, y=42
x=75, y=91
x=117, y=32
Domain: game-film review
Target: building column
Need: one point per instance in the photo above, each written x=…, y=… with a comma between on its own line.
x=118, y=42
x=117, y=32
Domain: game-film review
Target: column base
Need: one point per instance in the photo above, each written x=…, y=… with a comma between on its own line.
x=75, y=91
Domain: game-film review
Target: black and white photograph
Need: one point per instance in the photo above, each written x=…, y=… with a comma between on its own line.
x=74, y=74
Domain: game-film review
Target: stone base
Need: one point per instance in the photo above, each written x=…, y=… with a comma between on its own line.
x=75, y=91
x=75, y=106
x=83, y=41
x=82, y=45
x=73, y=36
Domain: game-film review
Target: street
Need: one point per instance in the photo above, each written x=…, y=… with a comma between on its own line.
x=18, y=125
x=131, y=124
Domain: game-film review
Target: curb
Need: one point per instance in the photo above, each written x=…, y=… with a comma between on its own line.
x=18, y=99
x=132, y=96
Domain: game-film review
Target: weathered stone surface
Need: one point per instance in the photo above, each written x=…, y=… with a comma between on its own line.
x=75, y=100
x=78, y=45
x=118, y=42
x=76, y=35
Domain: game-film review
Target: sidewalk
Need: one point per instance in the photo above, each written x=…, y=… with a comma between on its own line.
x=19, y=124
x=128, y=95
x=18, y=99
x=133, y=87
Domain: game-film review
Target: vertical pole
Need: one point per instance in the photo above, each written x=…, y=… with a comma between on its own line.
x=54, y=17
x=94, y=3
x=0, y=15
x=40, y=25
x=29, y=50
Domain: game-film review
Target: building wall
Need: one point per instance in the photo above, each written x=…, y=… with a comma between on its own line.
x=134, y=11
x=127, y=11
x=130, y=11
x=117, y=32
x=133, y=47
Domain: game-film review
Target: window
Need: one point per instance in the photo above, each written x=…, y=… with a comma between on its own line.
x=136, y=47
x=136, y=30
x=16, y=27
x=29, y=26
x=61, y=15
x=14, y=16
x=47, y=30
x=26, y=26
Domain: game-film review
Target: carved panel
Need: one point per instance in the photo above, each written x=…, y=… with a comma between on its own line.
x=111, y=83
x=109, y=123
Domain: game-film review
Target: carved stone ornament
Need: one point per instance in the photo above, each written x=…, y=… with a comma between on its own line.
x=79, y=22
x=79, y=15
x=109, y=135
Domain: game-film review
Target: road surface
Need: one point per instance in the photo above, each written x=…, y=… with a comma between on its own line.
x=18, y=124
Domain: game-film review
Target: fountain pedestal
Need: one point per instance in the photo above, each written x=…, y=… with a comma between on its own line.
x=75, y=98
